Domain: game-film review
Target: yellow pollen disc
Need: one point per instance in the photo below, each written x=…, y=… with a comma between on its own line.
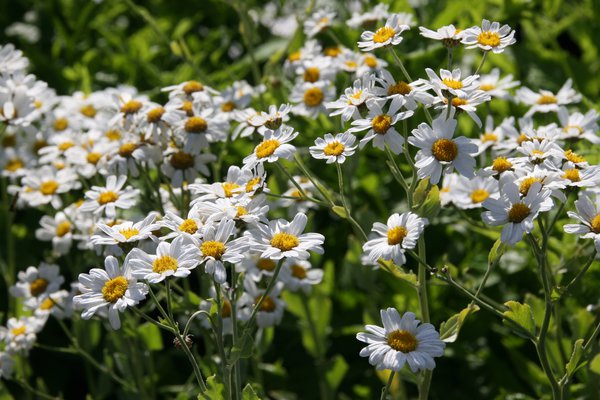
x=488, y=38
x=265, y=264
x=18, y=331
x=296, y=193
x=9, y=140
x=63, y=228
x=487, y=87
x=182, y=160
x=401, y=340
x=501, y=164
x=126, y=150
x=38, y=104
x=38, y=286
x=526, y=184
x=189, y=226
x=333, y=51
x=284, y=241
x=324, y=20
x=49, y=187
x=88, y=111
x=228, y=106
x=523, y=138
x=334, y=149
x=14, y=165
x=312, y=74
x=226, y=309
x=313, y=97
x=47, y=304
x=155, y=114
x=192, y=87
x=195, y=125
x=131, y=107
x=268, y=305
x=251, y=183
x=187, y=107
x=396, y=235
x=573, y=157
x=129, y=232
x=65, y=145
x=113, y=135
x=572, y=175
x=241, y=211
x=578, y=127
x=229, y=187
x=212, y=248
x=114, y=289
x=107, y=197
x=489, y=137
x=444, y=150
x=356, y=96
x=266, y=148
x=547, y=99
x=479, y=195
x=93, y=158
x=537, y=153
x=351, y=64
x=295, y=56
x=457, y=101
x=518, y=212
x=298, y=272
x=381, y=124
x=452, y=84
x=60, y=124
x=59, y=164
x=595, y=224
x=163, y=264
x=401, y=87
x=371, y=61
x=383, y=34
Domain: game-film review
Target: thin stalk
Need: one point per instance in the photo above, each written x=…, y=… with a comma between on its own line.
x=311, y=199
x=354, y=223
x=310, y=177
x=580, y=274
x=386, y=389
x=323, y=386
x=252, y=318
x=220, y=345
x=407, y=76
x=39, y=394
x=425, y=383
x=485, y=53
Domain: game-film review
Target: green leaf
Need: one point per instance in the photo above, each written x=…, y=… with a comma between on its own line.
x=395, y=270
x=432, y=204
x=575, y=357
x=339, y=211
x=214, y=389
x=244, y=349
x=595, y=364
x=521, y=314
x=336, y=370
x=249, y=394
x=450, y=328
x=420, y=191
x=150, y=335
x=496, y=252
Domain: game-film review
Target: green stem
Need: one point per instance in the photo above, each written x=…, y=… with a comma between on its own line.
x=306, y=172
x=580, y=274
x=386, y=389
x=39, y=394
x=354, y=223
x=408, y=78
x=252, y=319
x=296, y=184
x=320, y=361
x=425, y=383
x=485, y=53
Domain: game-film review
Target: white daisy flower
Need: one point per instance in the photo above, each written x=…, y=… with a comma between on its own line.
x=516, y=213
x=6, y=360
x=182, y=166
x=242, y=208
x=57, y=304
x=368, y=17
x=495, y=86
x=490, y=36
x=256, y=267
x=412, y=92
x=125, y=234
x=197, y=131
x=334, y=149
x=271, y=120
x=348, y=104
x=546, y=101
x=439, y=151
x=588, y=215
x=585, y=178
x=380, y=124
x=452, y=83
x=282, y=239
x=401, y=340
x=310, y=98
x=579, y=126
x=216, y=249
x=190, y=89
x=467, y=103
x=299, y=275
x=106, y=199
x=543, y=152
x=35, y=283
x=58, y=230
x=171, y=259
x=46, y=184
x=274, y=146
x=388, y=241
x=178, y=226
x=471, y=193
x=110, y=290
x=271, y=310
x=387, y=35
x=20, y=334
x=449, y=35
x=11, y=59
x=318, y=22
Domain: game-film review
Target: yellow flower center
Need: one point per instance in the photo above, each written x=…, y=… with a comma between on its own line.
x=268, y=305
x=163, y=264
x=18, y=331
x=129, y=232
x=212, y=248
x=489, y=137
x=284, y=241
x=578, y=127
x=228, y=106
x=47, y=304
x=192, y=87
x=14, y=165
x=38, y=286
x=38, y=104
x=383, y=34
x=131, y=107
x=487, y=87
x=523, y=138
x=371, y=61
x=241, y=211
x=49, y=187
x=573, y=157
x=107, y=197
x=265, y=264
x=126, y=150
x=351, y=64
x=187, y=107
x=457, y=102
x=401, y=87
x=251, y=183
x=312, y=74
x=88, y=111
x=113, y=135
x=189, y=226
x=332, y=51
x=93, y=158
x=595, y=224
x=114, y=289
x=334, y=149
x=155, y=114
x=444, y=150
x=266, y=148
x=298, y=272
x=452, y=84
x=195, y=125
x=229, y=187
x=572, y=175
x=65, y=145
x=526, y=184
x=313, y=97
x=295, y=56
x=479, y=195
x=518, y=212
x=63, y=228
x=60, y=124
x=381, y=124
x=396, y=235
x=401, y=340
x=182, y=160
x=547, y=99
x=488, y=38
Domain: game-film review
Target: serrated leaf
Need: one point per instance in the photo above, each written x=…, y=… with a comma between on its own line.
x=595, y=364
x=214, y=389
x=571, y=366
x=432, y=204
x=521, y=314
x=450, y=328
x=249, y=394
